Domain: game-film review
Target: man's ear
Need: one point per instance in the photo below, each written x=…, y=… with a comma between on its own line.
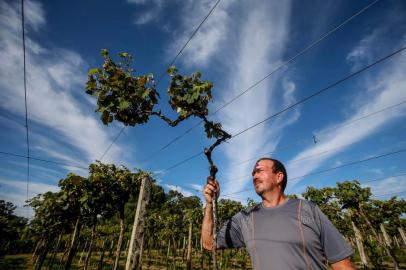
x=280, y=177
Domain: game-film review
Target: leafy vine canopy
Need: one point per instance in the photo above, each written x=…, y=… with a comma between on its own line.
x=131, y=99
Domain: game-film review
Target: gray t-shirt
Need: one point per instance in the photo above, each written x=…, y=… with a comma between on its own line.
x=276, y=240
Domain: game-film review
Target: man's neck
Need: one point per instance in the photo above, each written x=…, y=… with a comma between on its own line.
x=272, y=200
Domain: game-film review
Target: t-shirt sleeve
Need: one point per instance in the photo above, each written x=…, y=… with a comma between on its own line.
x=336, y=248
x=230, y=235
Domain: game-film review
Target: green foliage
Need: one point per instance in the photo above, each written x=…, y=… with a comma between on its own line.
x=213, y=130
x=51, y=212
x=131, y=99
x=319, y=196
x=73, y=189
x=251, y=202
x=11, y=226
x=386, y=212
x=121, y=95
x=189, y=95
x=226, y=209
x=349, y=202
x=170, y=213
x=351, y=194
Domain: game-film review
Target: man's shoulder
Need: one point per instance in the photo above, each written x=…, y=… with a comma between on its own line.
x=248, y=210
x=307, y=203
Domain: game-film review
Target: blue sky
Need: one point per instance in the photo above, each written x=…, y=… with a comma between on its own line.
x=239, y=44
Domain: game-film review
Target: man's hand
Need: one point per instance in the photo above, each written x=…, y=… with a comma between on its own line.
x=211, y=189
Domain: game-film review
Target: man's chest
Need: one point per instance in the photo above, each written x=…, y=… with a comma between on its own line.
x=276, y=227
x=282, y=227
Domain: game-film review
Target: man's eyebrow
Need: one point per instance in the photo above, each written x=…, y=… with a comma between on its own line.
x=255, y=169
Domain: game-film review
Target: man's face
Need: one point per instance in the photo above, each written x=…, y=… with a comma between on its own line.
x=264, y=178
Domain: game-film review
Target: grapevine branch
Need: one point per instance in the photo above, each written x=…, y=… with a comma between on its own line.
x=172, y=123
x=223, y=136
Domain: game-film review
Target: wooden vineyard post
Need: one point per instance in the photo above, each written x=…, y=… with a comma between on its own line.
x=126, y=247
x=385, y=236
x=72, y=248
x=402, y=235
x=141, y=252
x=360, y=246
x=395, y=239
x=134, y=250
x=111, y=248
x=83, y=251
x=189, y=247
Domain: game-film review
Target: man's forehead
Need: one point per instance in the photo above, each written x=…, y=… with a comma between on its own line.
x=264, y=163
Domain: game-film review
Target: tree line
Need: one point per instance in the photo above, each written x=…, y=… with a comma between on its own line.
x=90, y=221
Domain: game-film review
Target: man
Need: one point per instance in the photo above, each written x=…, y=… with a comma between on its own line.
x=280, y=233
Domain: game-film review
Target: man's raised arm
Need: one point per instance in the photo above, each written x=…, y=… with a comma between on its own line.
x=211, y=189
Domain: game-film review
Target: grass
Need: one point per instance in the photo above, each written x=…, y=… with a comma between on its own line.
x=230, y=260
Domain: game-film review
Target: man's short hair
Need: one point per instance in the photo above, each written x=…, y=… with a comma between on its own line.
x=277, y=167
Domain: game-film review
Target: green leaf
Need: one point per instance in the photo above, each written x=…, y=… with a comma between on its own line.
x=105, y=117
x=104, y=52
x=146, y=93
x=172, y=70
x=124, y=104
x=93, y=71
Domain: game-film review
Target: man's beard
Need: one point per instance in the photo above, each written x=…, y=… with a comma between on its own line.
x=262, y=191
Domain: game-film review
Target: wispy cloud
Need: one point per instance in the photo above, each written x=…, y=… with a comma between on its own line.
x=257, y=48
x=198, y=188
x=15, y=190
x=210, y=38
x=146, y=17
x=389, y=186
x=377, y=92
x=184, y=191
x=150, y=13
x=53, y=77
x=63, y=125
x=139, y=2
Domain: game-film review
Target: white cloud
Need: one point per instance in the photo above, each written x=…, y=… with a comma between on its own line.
x=70, y=131
x=389, y=186
x=258, y=48
x=53, y=76
x=15, y=190
x=184, y=191
x=138, y=2
x=380, y=91
x=56, y=154
x=146, y=17
x=18, y=168
x=34, y=14
x=374, y=171
x=151, y=14
x=209, y=39
x=197, y=187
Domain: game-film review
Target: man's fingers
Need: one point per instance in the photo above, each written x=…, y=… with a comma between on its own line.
x=210, y=180
x=211, y=188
